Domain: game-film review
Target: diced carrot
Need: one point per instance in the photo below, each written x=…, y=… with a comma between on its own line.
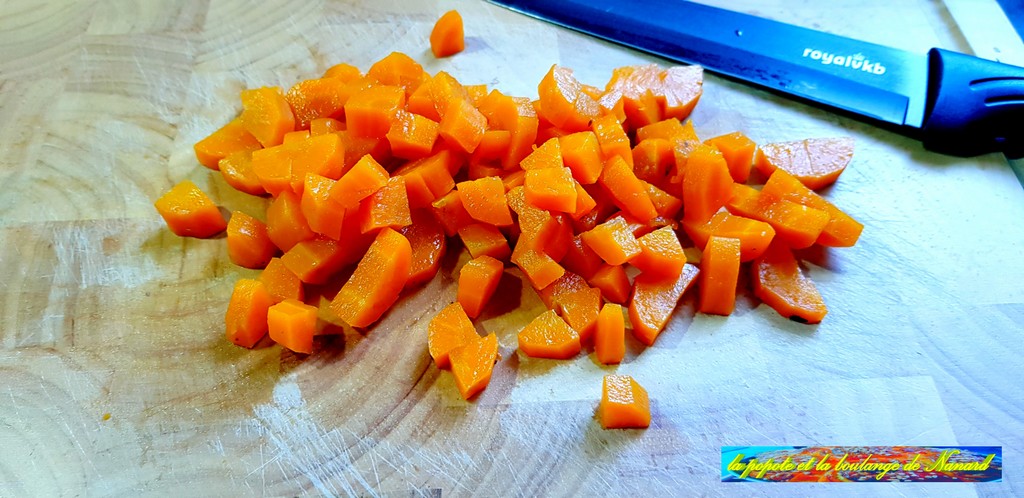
x=779, y=282
x=738, y=151
x=665, y=204
x=447, y=37
x=681, y=149
x=584, y=202
x=494, y=145
x=291, y=324
x=642, y=110
x=285, y=166
x=754, y=235
x=319, y=98
x=323, y=215
x=841, y=230
x=798, y=225
x=743, y=201
x=660, y=253
x=668, y=130
x=580, y=310
x=412, y=136
x=635, y=93
x=361, y=181
x=377, y=281
x=427, y=179
x=610, y=338
x=248, y=243
x=266, y=115
x=540, y=268
x=562, y=101
x=295, y=136
x=428, y=243
x=612, y=241
x=450, y=212
x=316, y=260
x=628, y=191
x=582, y=154
x=518, y=117
x=682, y=87
x=478, y=279
x=285, y=224
x=635, y=226
x=230, y=139
x=280, y=282
x=472, y=364
x=580, y=258
x=189, y=212
x=237, y=172
x=624, y=404
x=443, y=89
x=514, y=179
x=397, y=69
x=816, y=162
x=613, y=282
x=484, y=200
x=387, y=207
x=346, y=72
x=719, y=272
x=462, y=125
x=568, y=283
x=246, y=318
x=476, y=93
x=482, y=239
x=477, y=171
x=449, y=329
x=553, y=189
x=323, y=126
x=707, y=185
x=652, y=160
x=548, y=336
x=612, y=138
x=370, y=112
x=653, y=301
x=356, y=147
x=548, y=155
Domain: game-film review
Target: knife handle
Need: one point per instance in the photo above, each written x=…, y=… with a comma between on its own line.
x=974, y=106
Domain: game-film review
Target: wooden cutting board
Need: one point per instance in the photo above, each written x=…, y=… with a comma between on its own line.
x=115, y=378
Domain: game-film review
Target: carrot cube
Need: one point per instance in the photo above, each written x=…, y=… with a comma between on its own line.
x=370, y=112
x=462, y=125
x=660, y=253
x=482, y=239
x=548, y=336
x=246, y=318
x=613, y=241
x=189, y=212
x=412, y=136
x=291, y=324
x=478, y=279
x=624, y=404
x=553, y=189
x=229, y=139
x=484, y=200
x=249, y=246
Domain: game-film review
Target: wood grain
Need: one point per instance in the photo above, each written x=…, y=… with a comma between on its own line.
x=103, y=311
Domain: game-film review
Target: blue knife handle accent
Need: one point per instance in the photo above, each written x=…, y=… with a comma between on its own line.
x=974, y=106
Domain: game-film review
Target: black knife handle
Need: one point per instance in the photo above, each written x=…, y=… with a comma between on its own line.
x=974, y=106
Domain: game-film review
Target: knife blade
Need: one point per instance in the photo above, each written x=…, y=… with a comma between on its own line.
x=954, y=103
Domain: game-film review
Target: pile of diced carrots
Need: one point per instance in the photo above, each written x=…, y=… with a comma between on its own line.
x=596, y=196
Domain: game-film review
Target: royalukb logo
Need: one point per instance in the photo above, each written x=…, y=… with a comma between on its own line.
x=856, y=61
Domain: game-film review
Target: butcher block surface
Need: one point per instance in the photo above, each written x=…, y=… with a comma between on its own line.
x=116, y=378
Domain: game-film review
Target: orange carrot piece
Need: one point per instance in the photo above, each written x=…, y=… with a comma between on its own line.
x=612, y=138
x=613, y=282
x=540, y=268
x=580, y=258
x=482, y=239
x=237, y=172
x=754, y=235
x=484, y=200
x=665, y=204
x=628, y=191
x=585, y=203
x=477, y=171
x=493, y=146
x=295, y=136
x=323, y=215
x=248, y=243
x=472, y=364
x=516, y=115
x=285, y=224
x=682, y=87
x=548, y=155
x=429, y=178
x=780, y=283
x=397, y=69
x=653, y=300
x=841, y=230
x=412, y=136
x=478, y=279
x=387, y=207
x=563, y=103
x=462, y=125
x=285, y=166
x=548, y=336
x=291, y=324
x=280, y=282
x=319, y=98
x=553, y=294
x=624, y=404
x=719, y=272
x=361, y=181
x=816, y=162
x=323, y=126
x=660, y=253
x=668, y=130
x=377, y=281
x=580, y=310
x=707, y=185
x=230, y=139
x=476, y=93
x=450, y=212
x=610, y=338
x=652, y=160
x=582, y=154
x=681, y=149
x=189, y=212
x=738, y=151
x=449, y=329
x=246, y=318
x=612, y=241
x=356, y=147
x=553, y=189
x=266, y=115
x=346, y=72
x=370, y=112
x=428, y=243
x=798, y=225
x=743, y=201
x=447, y=38
x=316, y=260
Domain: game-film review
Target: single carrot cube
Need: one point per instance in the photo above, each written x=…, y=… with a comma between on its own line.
x=472, y=364
x=364, y=179
x=610, y=338
x=585, y=203
x=654, y=299
x=246, y=318
x=291, y=324
x=316, y=260
x=738, y=151
x=624, y=404
x=484, y=200
x=317, y=98
x=397, y=69
x=249, y=246
x=798, y=225
x=580, y=310
x=553, y=294
x=387, y=207
x=482, y=239
x=280, y=282
x=660, y=253
x=323, y=126
x=412, y=136
x=580, y=258
x=266, y=115
x=237, y=171
x=779, y=283
x=613, y=282
x=285, y=224
x=719, y=271
x=493, y=146
x=582, y=154
x=540, y=268
x=707, y=185
x=652, y=160
x=448, y=330
x=377, y=281
x=667, y=129
x=428, y=244
x=450, y=212
x=462, y=125
x=613, y=241
x=553, y=189
x=323, y=215
x=447, y=37
x=370, y=112
x=343, y=71
x=285, y=166
x=548, y=155
x=628, y=191
x=562, y=101
x=189, y=212
x=665, y=204
x=478, y=279
x=548, y=336
x=612, y=139
x=230, y=139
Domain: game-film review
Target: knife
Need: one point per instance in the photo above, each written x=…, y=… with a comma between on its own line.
x=955, y=104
